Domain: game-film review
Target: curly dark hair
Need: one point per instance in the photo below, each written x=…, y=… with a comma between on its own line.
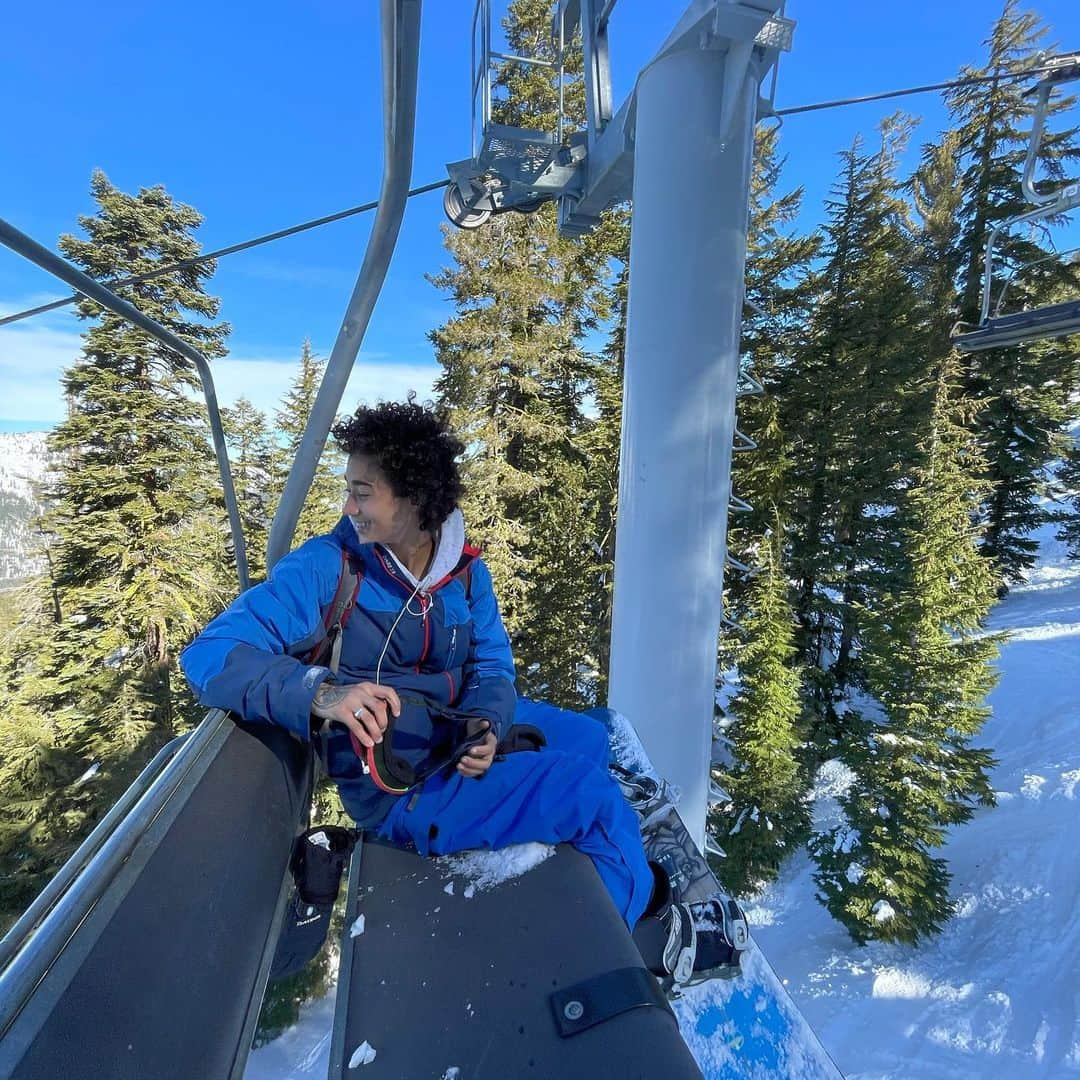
x=415, y=450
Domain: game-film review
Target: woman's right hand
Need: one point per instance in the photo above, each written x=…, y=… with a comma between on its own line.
x=361, y=707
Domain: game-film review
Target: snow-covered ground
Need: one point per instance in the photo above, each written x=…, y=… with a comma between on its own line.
x=997, y=994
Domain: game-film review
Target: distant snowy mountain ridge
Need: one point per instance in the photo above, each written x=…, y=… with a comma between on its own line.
x=24, y=460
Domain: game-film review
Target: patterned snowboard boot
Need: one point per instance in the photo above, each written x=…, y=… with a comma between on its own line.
x=688, y=943
x=705, y=941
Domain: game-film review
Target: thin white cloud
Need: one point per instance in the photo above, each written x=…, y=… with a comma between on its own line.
x=11, y=307
x=33, y=356
x=265, y=382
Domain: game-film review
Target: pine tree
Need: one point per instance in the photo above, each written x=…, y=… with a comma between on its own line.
x=847, y=402
x=1068, y=478
x=765, y=816
x=1024, y=392
x=136, y=543
x=516, y=381
x=254, y=469
x=39, y=789
x=322, y=507
x=928, y=669
x=780, y=290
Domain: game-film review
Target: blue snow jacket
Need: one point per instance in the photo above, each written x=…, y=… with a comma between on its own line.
x=449, y=646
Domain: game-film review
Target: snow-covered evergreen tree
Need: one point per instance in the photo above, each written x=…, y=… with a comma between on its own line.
x=322, y=507
x=765, y=816
x=136, y=545
x=928, y=669
x=1024, y=393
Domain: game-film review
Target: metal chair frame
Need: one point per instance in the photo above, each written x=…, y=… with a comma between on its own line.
x=520, y=169
x=995, y=330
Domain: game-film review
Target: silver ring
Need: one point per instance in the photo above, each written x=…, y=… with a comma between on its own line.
x=357, y=712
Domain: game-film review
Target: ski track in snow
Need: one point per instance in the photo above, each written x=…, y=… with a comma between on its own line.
x=997, y=994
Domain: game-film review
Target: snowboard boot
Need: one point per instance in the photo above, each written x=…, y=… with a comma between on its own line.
x=645, y=794
x=317, y=864
x=722, y=938
x=685, y=944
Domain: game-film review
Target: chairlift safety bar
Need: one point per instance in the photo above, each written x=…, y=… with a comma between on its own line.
x=1022, y=327
x=1047, y=321
x=30, y=249
x=400, y=56
x=1061, y=69
x=23, y=929
x=1068, y=199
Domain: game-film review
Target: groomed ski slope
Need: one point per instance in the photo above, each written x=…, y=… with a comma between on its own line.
x=998, y=993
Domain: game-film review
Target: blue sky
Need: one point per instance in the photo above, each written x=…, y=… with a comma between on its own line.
x=265, y=116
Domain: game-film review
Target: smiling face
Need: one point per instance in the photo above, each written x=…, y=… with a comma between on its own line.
x=379, y=515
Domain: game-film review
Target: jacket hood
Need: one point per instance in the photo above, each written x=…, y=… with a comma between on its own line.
x=448, y=552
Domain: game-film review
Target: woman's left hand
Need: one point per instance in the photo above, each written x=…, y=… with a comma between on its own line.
x=477, y=760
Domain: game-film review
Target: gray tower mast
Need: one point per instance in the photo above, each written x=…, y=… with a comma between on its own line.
x=681, y=147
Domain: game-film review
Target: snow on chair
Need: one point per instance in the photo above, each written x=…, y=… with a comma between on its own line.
x=995, y=329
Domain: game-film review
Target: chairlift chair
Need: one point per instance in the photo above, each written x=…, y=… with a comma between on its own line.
x=520, y=169
x=511, y=168
x=997, y=330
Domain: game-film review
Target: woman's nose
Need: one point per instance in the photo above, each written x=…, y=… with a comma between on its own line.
x=352, y=506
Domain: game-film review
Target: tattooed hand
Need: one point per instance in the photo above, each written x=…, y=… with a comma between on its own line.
x=361, y=707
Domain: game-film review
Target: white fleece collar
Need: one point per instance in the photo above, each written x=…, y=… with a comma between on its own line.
x=447, y=554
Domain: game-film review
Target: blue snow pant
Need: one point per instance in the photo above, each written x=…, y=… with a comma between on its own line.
x=563, y=793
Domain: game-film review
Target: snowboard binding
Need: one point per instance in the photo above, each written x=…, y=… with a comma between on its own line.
x=706, y=940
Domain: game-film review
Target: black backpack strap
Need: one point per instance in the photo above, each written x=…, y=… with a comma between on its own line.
x=328, y=651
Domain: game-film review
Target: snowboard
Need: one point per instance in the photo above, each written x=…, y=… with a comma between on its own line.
x=741, y=1024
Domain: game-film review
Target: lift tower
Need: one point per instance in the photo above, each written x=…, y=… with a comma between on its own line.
x=680, y=147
